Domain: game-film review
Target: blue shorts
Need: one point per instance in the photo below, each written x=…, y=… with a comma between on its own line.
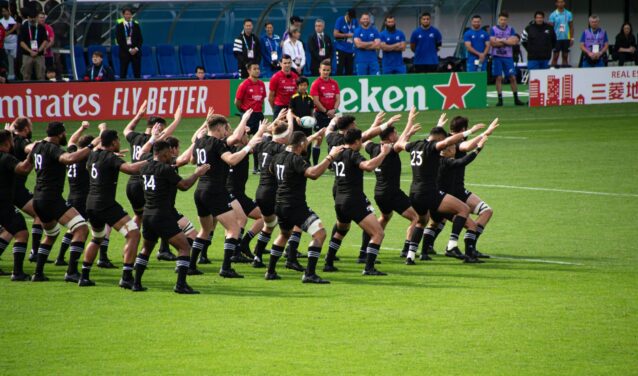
x=503, y=66
x=599, y=63
x=368, y=68
x=537, y=64
x=473, y=67
x=400, y=69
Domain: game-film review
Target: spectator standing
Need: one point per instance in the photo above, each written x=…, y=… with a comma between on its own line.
x=97, y=71
x=294, y=48
x=477, y=44
x=33, y=43
x=392, y=45
x=128, y=35
x=283, y=85
x=538, y=39
x=344, y=42
x=11, y=27
x=250, y=95
x=625, y=46
x=200, y=73
x=594, y=44
x=320, y=47
x=425, y=43
x=367, y=41
x=326, y=95
x=4, y=61
x=270, y=50
x=48, y=53
x=563, y=22
x=246, y=48
x=503, y=39
x=295, y=21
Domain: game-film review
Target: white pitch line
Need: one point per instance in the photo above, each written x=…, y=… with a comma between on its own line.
x=509, y=137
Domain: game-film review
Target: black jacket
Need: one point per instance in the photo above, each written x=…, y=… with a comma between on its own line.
x=314, y=45
x=242, y=44
x=136, y=37
x=539, y=40
x=101, y=73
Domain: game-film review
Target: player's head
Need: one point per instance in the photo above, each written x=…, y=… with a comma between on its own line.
x=458, y=124
x=253, y=70
x=173, y=142
x=6, y=140
x=560, y=4
x=476, y=22
x=346, y=122
x=84, y=141
x=389, y=134
x=56, y=130
x=162, y=152
x=150, y=123
x=302, y=85
x=352, y=138
x=425, y=19
x=286, y=63
x=23, y=125
x=299, y=143
x=539, y=17
x=390, y=23
x=364, y=20
x=437, y=134
x=279, y=131
x=110, y=140
x=217, y=124
x=502, y=18
x=449, y=151
x=325, y=68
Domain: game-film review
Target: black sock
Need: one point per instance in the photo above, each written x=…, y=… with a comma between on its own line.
x=262, y=241
x=406, y=246
x=182, y=269
x=19, y=251
x=372, y=252
x=479, y=232
x=36, y=237
x=293, y=246
x=3, y=245
x=237, y=252
x=207, y=244
x=457, y=226
x=196, y=249
x=313, y=257
x=439, y=228
x=365, y=239
x=76, y=252
x=275, y=254
x=316, y=151
x=429, y=234
x=245, y=241
x=140, y=266
x=333, y=248
x=43, y=255
x=86, y=269
x=190, y=241
x=229, y=249
x=127, y=272
x=64, y=246
x=415, y=239
x=470, y=240
x=104, y=249
x=164, y=246
x=500, y=97
x=515, y=96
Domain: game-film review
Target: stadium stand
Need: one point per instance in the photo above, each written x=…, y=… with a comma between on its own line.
x=115, y=60
x=167, y=60
x=189, y=59
x=229, y=58
x=149, y=62
x=80, y=61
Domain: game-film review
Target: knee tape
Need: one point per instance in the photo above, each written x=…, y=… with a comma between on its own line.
x=75, y=223
x=188, y=228
x=128, y=227
x=314, y=227
x=272, y=224
x=55, y=231
x=98, y=233
x=481, y=208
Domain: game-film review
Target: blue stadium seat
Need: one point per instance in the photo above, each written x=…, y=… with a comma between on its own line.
x=115, y=59
x=149, y=62
x=167, y=60
x=306, y=68
x=80, y=62
x=189, y=59
x=229, y=59
x=97, y=47
x=212, y=59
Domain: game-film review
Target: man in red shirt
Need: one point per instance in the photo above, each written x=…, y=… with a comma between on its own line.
x=325, y=94
x=250, y=95
x=283, y=86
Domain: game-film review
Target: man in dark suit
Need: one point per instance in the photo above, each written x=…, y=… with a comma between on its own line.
x=320, y=46
x=129, y=37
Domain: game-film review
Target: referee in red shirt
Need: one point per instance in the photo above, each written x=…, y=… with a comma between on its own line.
x=283, y=86
x=325, y=94
x=251, y=94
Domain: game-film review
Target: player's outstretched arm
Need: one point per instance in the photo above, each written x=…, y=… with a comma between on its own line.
x=185, y=157
x=177, y=118
x=80, y=154
x=130, y=127
x=75, y=137
x=470, y=145
x=185, y=184
x=376, y=130
x=316, y=171
x=454, y=139
x=240, y=130
x=411, y=128
x=318, y=134
x=372, y=164
x=25, y=167
x=156, y=134
x=233, y=158
x=132, y=168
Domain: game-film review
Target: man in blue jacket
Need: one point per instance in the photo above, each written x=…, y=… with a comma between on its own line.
x=366, y=41
x=392, y=45
x=270, y=50
x=425, y=43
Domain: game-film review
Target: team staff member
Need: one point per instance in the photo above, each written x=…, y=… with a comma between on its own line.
x=250, y=96
x=502, y=39
x=33, y=43
x=270, y=50
x=320, y=47
x=425, y=42
x=128, y=35
x=10, y=218
x=538, y=39
x=283, y=85
x=477, y=44
x=594, y=44
x=392, y=45
x=326, y=95
x=366, y=41
x=247, y=48
x=344, y=42
x=563, y=22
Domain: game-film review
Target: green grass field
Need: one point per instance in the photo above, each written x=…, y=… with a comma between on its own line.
x=561, y=298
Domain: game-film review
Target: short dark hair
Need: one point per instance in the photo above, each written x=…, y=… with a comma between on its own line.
x=302, y=80
x=84, y=141
x=250, y=64
x=247, y=20
x=268, y=23
x=5, y=136
x=539, y=12
x=344, y=122
x=280, y=127
x=458, y=124
x=286, y=56
x=160, y=146
x=21, y=123
x=108, y=137
x=438, y=131
x=98, y=53
x=41, y=12
x=199, y=67
x=476, y=16
x=327, y=62
x=297, y=138
x=425, y=14
x=504, y=14
x=352, y=13
x=294, y=19
x=173, y=142
x=216, y=121
x=154, y=120
x=352, y=135
x=51, y=69
x=55, y=128
x=365, y=14
x=385, y=134
x=127, y=9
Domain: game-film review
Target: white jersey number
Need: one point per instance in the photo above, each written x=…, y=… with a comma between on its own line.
x=417, y=158
x=149, y=182
x=340, y=168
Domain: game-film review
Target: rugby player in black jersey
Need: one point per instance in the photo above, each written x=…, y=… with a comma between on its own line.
x=134, y=188
x=387, y=192
x=104, y=166
x=10, y=218
x=50, y=161
x=212, y=199
x=292, y=171
x=351, y=203
x=425, y=196
x=161, y=183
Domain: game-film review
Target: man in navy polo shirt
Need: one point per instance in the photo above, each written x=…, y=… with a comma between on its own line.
x=425, y=43
x=477, y=44
x=392, y=45
x=366, y=41
x=344, y=42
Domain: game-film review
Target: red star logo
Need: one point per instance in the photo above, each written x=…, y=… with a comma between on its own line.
x=454, y=92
